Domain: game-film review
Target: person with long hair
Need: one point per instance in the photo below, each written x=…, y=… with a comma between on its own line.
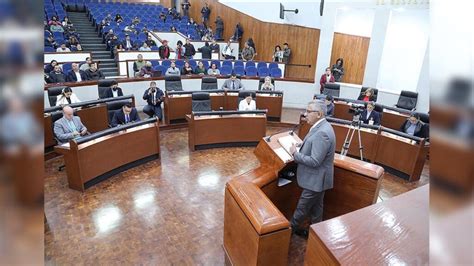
x=338, y=69
x=66, y=97
x=277, y=54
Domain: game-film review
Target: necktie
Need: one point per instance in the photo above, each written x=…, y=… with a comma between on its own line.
x=233, y=85
x=127, y=119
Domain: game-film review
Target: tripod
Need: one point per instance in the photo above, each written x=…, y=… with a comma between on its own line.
x=355, y=126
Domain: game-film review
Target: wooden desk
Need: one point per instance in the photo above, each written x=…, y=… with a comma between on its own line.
x=257, y=210
x=392, y=232
x=232, y=129
x=177, y=106
x=97, y=159
x=402, y=154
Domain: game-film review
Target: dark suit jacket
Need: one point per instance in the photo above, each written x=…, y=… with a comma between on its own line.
x=362, y=96
x=94, y=75
x=71, y=76
x=124, y=43
x=418, y=129
x=374, y=115
x=158, y=97
x=206, y=52
x=119, y=117
x=108, y=93
x=56, y=77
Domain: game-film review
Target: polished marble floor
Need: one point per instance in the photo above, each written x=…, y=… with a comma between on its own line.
x=165, y=212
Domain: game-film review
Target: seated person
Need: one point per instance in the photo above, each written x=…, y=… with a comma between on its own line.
x=69, y=126
x=367, y=96
x=87, y=64
x=173, y=70
x=247, y=104
x=413, y=126
x=187, y=69
x=233, y=83
x=137, y=65
x=93, y=73
x=125, y=115
x=50, y=67
x=370, y=116
x=75, y=74
x=327, y=77
x=329, y=106
x=63, y=49
x=56, y=76
x=146, y=71
x=154, y=97
x=267, y=85
x=67, y=97
x=200, y=69
x=114, y=90
x=144, y=48
x=213, y=71
x=128, y=44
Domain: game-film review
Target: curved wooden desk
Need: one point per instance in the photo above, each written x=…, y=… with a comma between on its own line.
x=257, y=210
x=403, y=155
x=227, y=129
x=178, y=105
x=94, y=160
x=391, y=232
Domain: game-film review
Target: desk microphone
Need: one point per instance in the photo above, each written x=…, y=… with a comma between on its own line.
x=292, y=132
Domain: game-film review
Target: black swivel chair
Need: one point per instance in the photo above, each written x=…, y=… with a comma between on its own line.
x=332, y=89
x=103, y=85
x=173, y=83
x=376, y=92
x=407, y=100
x=379, y=108
x=201, y=101
x=114, y=106
x=262, y=80
x=209, y=83
x=425, y=118
x=53, y=93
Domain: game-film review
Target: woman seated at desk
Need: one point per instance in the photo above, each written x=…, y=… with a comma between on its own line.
x=267, y=85
x=367, y=96
x=247, y=104
x=413, y=126
x=66, y=97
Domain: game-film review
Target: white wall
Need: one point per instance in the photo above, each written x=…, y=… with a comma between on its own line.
x=354, y=21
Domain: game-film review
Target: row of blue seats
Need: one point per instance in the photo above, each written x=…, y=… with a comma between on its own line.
x=238, y=70
x=228, y=63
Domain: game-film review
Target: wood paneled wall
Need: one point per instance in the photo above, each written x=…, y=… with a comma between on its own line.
x=353, y=49
x=304, y=42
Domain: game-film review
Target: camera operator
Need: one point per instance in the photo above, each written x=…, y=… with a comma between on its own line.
x=154, y=97
x=369, y=115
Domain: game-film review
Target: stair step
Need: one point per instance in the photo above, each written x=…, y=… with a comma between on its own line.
x=99, y=52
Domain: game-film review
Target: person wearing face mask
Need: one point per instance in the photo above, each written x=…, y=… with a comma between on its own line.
x=67, y=97
x=114, y=90
x=69, y=126
x=327, y=77
x=154, y=97
x=125, y=115
x=247, y=104
x=370, y=116
x=315, y=172
x=173, y=70
x=56, y=76
x=413, y=126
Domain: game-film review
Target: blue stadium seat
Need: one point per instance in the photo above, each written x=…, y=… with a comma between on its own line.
x=226, y=70
x=67, y=67
x=192, y=63
x=263, y=71
x=205, y=63
x=227, y=63
x=179, y=63
x=217, y=62
x=249, y=64
x=155, y=63
x=238, y=63
x=239, y=70
x=275, y=73
x=166, y=63
x=49, y=49
x=272, y=65
x=251, y=71
x=261, y=64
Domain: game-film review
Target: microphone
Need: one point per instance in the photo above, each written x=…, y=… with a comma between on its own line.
x=269, y=138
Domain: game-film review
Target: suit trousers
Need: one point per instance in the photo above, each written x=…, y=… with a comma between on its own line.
x=151, y=111
x=310, y=203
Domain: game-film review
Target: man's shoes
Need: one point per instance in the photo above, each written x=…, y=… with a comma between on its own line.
x=300, y=232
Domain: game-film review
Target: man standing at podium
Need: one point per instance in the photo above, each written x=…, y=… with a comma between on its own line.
x=315, y=171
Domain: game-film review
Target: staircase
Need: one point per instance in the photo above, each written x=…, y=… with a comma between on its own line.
x=90, y=42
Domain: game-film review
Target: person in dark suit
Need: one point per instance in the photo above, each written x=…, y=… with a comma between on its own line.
x=370, y=116
x=413, y=126
x=75, y=74
x=125, y=115
x=154, y=97
x=93, y=73
x=367, y=96
x=329, y=106
x=128, y=44
x=114, y=90
x=206, y=51
x=315, y=172
x=57, y=75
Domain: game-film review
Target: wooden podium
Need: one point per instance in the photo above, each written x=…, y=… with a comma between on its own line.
x=257, y=210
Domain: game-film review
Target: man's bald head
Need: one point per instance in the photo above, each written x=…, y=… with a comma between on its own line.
x=68, y=112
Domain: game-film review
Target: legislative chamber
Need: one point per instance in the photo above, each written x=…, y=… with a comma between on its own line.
x=183, y=133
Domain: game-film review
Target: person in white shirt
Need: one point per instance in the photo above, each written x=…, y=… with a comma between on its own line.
x=75, y=74
x=227, y=52
x=66, y=97
x=144, y=48
x=247, y=104
x=173, y=70
x=213, y=71
x=63, y=49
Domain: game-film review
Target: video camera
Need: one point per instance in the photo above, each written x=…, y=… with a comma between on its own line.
x=356, y=109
